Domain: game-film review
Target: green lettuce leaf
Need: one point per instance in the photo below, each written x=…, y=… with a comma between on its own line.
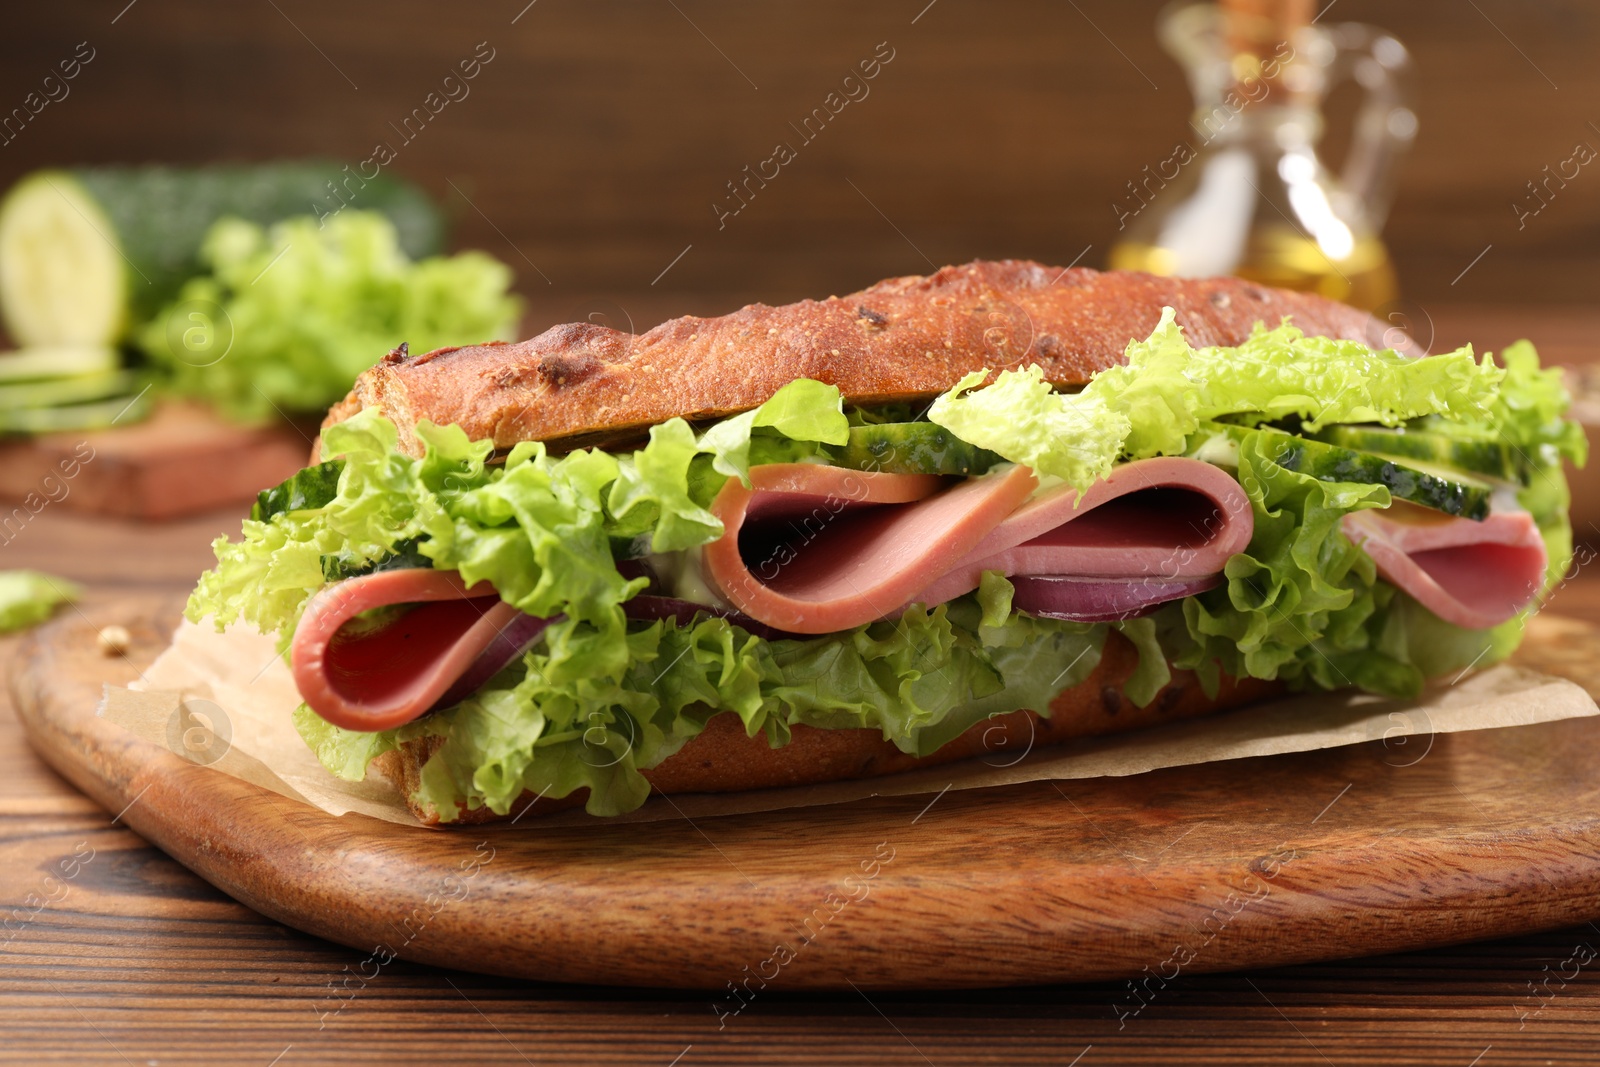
x=1023, y=419
x=1528, y=413
x=664, y=489
x=266, y=577
x=652, y=494
x=551, y=728
x=286, y=318
x=1530, y=410
x=27, y=598
x=1150, y=405
x=1296, y=600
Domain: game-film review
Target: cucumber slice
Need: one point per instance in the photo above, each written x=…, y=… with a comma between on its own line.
x=35, y=364
x=1446, y=491
x=56, y=391
x=309, y=488
x=87, y=254
x=1492, y=459
x=62, y=278
x=96, y=415
x=911, y=448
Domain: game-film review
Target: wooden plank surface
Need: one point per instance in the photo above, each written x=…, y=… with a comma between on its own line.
x=141, y=961
x=588, y=154
x=1206, y=868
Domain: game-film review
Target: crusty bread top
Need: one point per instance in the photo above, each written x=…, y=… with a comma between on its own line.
x=902, y=338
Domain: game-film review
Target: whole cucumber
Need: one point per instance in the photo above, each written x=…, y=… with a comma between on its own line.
x=88, y=254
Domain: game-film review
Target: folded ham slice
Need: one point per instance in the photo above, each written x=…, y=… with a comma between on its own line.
x=1164, y=518
x=1472, y=574
x=378, y=676
x=813, y=549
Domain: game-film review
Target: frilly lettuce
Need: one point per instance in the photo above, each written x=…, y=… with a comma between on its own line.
x=287, y=317
x=549, y=730
x=665, y=488
x=1150, y=405
x=1296, y=602
x=1528, y=414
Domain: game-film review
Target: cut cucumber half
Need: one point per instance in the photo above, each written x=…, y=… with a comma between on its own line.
x=911, y=448
x=63, y=280
x=56, y=391
x=1441, y=490
x=96, y=415
x=37, y=364
x=87, y=254
x=1491, y=459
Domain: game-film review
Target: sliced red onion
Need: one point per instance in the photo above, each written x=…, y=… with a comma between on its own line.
x=1101, y=599
x=651, y=608
x=638, y=568
x=516, y=638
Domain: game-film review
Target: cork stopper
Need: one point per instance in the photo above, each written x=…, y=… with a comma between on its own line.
x=1257, y=27
x=1260, y=31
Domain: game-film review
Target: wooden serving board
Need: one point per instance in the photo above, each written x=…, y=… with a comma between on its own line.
x=1255, y=862
x=183, y=460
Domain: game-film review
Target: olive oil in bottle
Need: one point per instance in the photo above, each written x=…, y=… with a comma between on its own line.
x=1246, y=194
x=1285, y=259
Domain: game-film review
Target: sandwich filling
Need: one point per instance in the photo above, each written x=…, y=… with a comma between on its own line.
x=1294, y=508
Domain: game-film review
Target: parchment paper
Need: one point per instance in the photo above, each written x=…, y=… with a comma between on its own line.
x=225, y=700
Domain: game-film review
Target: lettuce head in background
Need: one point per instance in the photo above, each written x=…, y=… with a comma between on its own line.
x=290, y=314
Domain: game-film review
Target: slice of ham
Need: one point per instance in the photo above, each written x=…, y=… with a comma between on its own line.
x=814, y=549
x=380, y=677
x=1166, y=518
x=1473, y=574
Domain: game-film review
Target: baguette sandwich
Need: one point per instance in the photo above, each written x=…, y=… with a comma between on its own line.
x=1000, y=505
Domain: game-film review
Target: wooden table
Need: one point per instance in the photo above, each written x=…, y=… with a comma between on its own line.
x=137, y=961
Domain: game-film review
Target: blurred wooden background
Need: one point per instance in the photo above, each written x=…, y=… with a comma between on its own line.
x=594, y=144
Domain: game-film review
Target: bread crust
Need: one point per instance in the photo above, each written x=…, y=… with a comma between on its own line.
x=903, y=338
x=724, y=760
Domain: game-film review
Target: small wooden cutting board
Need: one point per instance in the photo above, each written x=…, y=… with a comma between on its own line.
x=183, y=460
x=1246, y=863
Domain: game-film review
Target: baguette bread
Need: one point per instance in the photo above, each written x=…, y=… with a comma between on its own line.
x=578, y=384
